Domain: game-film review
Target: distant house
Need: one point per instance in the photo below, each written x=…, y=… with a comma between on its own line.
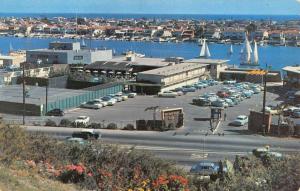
x=234, y=34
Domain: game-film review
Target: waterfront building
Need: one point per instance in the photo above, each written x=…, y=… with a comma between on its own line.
x=292, y=76
x=67, y=53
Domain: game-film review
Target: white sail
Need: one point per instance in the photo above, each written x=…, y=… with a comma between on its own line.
x=231, y=49
x=205, y=50
x=202, y=52
x=246, y=51
x=83, y=43
x=11, y=49
x=255, y=54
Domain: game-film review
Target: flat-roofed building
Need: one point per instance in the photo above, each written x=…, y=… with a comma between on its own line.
x=67, y=53
x=169, y=77
x=214, y=66
x=292, y=77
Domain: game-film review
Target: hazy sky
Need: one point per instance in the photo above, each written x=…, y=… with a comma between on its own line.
x=286, y=7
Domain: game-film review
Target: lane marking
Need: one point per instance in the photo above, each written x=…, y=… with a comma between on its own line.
x=199, y=156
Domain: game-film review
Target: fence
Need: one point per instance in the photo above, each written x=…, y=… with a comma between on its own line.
x=75, y=101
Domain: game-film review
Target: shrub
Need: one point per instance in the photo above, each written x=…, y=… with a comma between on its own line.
x=129, y=127
x=65, y=123
x=112, y=126
x=95, y=126
x=50, y=123
x=171, y=126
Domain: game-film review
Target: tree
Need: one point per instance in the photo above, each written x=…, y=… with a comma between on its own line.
x=251, y=28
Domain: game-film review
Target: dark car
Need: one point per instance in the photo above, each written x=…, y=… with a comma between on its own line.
x=86, y=135
x=55, y=112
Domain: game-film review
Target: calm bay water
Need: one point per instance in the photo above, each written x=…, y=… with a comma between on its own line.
x=276, y=56
x=155, y=16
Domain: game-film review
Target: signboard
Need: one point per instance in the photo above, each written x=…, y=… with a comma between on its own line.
x=172, y=116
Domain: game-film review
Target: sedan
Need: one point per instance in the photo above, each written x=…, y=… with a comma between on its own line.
x=55, y=112
x=296, y=113
x=91, y=105
x=168, y=94
x=241, y=120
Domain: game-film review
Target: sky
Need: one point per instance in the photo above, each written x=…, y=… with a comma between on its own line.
x=244, y=7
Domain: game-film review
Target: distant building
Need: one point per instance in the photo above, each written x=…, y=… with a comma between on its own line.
x=292, y=77
x=67, y=53
x=177, y=74
x=14, y=59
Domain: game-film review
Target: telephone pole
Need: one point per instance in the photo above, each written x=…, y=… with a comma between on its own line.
x=24, y=93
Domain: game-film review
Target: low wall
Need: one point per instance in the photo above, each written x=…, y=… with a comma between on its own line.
x=17, y=108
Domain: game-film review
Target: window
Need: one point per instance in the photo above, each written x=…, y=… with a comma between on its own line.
x=78, y=57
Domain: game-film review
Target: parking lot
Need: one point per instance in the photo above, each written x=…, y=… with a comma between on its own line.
x=126, y=112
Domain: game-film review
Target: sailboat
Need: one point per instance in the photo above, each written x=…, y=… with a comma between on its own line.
x=11, y=49
x=255, y=55
x=230, y=52
x=83, y=43
x=246, y=53
x=205, y=53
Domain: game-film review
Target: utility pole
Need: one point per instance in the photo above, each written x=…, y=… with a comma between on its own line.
x=24, y=93
x=265, y=129
x=47, y=84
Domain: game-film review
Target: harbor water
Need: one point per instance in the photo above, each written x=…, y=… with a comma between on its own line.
x=275, y=56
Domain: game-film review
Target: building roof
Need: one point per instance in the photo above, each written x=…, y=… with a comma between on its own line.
x=207, y=61
x=174, y=69
x=66, y=51
x=145, y=61
x=293, y=69
x=109, y=65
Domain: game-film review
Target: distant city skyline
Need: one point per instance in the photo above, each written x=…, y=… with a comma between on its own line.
x=240, y=7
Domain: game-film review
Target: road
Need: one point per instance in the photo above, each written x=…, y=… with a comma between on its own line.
x=184, y=149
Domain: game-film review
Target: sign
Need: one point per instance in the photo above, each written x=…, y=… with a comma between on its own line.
x=172, y=116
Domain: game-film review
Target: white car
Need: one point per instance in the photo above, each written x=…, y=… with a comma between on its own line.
x=92, y=105
x=180, y=93
x=132, y=95
x=241, y=120
x=168, y=94
x=104, y=103
x=82, y=120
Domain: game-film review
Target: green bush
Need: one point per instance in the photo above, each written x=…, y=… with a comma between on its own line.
x=112, y=126
x=65, y=123
x=50, y=123
x=95, y=126
x=129, y=127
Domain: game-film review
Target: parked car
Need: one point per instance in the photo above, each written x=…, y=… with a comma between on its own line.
x=92, y=105
x=296, y=113
x=229, y=102
x=132, y=95
x=289, y=111
x=55, y=112
x=219, y=103
x=86, y=134
x=167, y=94
x=205, y=168
x=104, y=103
x=82, y=120
x=110, y=100
x=222, y=94
x=265, y=152
x=180, y=93
x=188, y=89
x=76, y=140
x=241, y=120
x=201, y=101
